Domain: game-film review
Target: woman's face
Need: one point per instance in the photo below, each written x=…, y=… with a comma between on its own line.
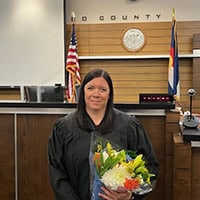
x=96, y=94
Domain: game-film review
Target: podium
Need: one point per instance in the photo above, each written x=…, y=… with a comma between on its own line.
x=186, y=164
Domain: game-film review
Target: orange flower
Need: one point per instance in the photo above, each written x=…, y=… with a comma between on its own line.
x=131, y=184
x=96, y=159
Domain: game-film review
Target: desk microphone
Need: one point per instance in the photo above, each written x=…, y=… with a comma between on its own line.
x=190, y=121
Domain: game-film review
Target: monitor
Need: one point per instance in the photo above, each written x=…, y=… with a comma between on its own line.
x=51, y=93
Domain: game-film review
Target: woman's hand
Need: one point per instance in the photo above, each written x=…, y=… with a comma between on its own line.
x=120, y=194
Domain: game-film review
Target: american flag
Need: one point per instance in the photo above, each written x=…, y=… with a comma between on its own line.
x=72, y=67
x=173, y=69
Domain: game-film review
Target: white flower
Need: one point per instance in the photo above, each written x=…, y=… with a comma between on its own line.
x=115, y=177
x=105, y=155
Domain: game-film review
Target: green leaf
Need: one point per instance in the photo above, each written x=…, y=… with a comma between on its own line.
x=131, y=153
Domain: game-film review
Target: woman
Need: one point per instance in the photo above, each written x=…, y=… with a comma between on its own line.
x=69, y=144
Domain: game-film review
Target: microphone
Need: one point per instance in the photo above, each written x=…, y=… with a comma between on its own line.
x=191, y=92
x=190, y=121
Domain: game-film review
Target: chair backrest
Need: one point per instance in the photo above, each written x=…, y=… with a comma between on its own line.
x=77, y=87
x=30, y=93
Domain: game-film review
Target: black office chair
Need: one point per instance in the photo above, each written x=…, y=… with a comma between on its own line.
x=30, y=93
x=77, y=88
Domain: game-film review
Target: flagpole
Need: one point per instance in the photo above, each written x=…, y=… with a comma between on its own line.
x=73, y=19
x=72, y=64
x=173, y=68
x=173, y=14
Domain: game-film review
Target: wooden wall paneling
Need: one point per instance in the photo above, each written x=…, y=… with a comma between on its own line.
x=129, y=80
x=101, y=32
x=196, y=41
x=113, y=33
x=196, y=75
x=105, y=39
x=9, y=93
x=82, y=31
x=131, y=77
x=7, y=157
x=33, y=132
x=135, y=76
x=196, y=70
x=185, y=75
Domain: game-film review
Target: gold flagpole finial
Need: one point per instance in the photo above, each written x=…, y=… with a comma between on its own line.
x=73, y=17
x=173, y=13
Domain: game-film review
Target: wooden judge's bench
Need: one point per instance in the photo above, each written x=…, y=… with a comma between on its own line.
x=24, y=133
x=186, y=177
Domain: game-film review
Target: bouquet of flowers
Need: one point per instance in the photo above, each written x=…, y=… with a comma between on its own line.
x=117, y=168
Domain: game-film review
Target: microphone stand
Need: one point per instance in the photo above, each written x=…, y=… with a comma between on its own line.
x=190, y=107
x=190, y=121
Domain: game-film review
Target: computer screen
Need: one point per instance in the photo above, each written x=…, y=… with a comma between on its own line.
x=51, y=94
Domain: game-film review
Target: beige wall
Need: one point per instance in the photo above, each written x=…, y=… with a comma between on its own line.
x=93, y=9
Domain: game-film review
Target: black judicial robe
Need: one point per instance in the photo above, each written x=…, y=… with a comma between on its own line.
x=68, y=153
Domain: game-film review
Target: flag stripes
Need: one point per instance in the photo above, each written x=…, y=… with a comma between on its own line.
x=72, y=67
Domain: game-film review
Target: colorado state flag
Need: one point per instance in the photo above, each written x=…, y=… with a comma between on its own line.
x=173, y=69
